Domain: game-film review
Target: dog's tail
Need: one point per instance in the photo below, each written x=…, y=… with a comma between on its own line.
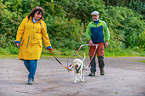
x=84, y=57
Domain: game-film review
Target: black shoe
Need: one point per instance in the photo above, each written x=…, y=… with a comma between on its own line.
x=30, y=81
x=91, y=74
x=102, y=72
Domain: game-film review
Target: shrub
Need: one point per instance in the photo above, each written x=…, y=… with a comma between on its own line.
x=125, y=24
x=65, y=33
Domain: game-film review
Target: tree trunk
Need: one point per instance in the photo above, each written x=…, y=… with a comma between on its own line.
x=130, y=2
x=127, y=3
x=118, y=3
x=107, y=3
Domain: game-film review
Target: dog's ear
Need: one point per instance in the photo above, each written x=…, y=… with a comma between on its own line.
x=76, y=66
x=70, y=65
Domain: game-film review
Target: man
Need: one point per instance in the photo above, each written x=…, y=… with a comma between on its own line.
x=97, y=33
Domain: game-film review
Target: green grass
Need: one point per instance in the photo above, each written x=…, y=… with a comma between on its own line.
x=124, y=53
x=143, y=61
x=12, y=52
x=10, y=56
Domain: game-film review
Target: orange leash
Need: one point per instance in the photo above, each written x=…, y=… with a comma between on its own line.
x=92, y=57
x=81, y=47
x=60, y=62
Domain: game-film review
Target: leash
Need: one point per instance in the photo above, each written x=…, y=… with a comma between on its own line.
x=70, y=57
x=81, y=47
x=76, y=55
x=93, y=54
x=89, y=65
x=60, y=62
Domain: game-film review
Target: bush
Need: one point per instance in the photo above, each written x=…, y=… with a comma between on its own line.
x=81, y=10
x=67, y=21
x=66, y=33
x=125, y=25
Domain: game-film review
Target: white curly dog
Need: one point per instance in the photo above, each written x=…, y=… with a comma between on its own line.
x=78, y=66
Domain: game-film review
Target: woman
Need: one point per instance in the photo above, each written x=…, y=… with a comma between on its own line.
x=31, y=31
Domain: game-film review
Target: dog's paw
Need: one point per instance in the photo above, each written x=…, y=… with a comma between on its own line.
x=75, y=81
x=82, y=80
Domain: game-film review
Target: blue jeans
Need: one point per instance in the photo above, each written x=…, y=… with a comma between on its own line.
x=31, y=66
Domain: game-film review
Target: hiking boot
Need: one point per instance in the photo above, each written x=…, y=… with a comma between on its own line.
x=91, y=74
x=102, y=71
x=30, y=81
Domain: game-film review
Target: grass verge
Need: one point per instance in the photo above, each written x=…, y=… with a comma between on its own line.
x=12, y=52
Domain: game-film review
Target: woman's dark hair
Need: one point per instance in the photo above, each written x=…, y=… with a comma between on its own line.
x=34, y=10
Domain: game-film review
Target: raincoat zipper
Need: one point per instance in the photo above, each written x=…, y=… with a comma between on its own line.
x=27, y=42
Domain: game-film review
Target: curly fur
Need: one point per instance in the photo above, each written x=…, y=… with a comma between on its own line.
x=78, y=66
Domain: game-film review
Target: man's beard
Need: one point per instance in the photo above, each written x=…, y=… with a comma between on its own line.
x=95, y=19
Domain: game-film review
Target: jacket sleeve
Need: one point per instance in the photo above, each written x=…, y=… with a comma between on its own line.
x=45, y=36
x=107, y=33
x=88, y=32
x=20, y=31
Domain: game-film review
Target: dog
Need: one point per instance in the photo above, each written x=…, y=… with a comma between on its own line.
x=78, y=66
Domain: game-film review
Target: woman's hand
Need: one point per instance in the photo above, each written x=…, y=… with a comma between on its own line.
x=18, y=45
x=50, y=49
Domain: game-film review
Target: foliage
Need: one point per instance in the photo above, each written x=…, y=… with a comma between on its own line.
x=67, y=20
x=139, y=6
x=53, y=9
x=136, y=5
x=66, y=33
x=8, y=51
x=8, y=24
x=126, y=26
x=81, y=10
x=11, y=15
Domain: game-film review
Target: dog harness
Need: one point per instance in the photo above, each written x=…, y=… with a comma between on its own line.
x=78, y=69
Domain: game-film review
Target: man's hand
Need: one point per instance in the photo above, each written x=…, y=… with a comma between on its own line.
x=91, y=43
x=50, y=49
x=18, y=45
x=106, y=44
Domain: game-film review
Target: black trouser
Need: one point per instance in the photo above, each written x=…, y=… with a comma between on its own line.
x=93, y=63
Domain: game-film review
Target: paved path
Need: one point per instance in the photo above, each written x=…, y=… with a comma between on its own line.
x=124, y=77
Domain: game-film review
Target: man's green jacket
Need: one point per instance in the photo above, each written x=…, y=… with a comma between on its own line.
x=98, y=32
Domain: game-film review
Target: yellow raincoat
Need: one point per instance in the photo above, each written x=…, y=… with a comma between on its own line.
x=30, y=35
